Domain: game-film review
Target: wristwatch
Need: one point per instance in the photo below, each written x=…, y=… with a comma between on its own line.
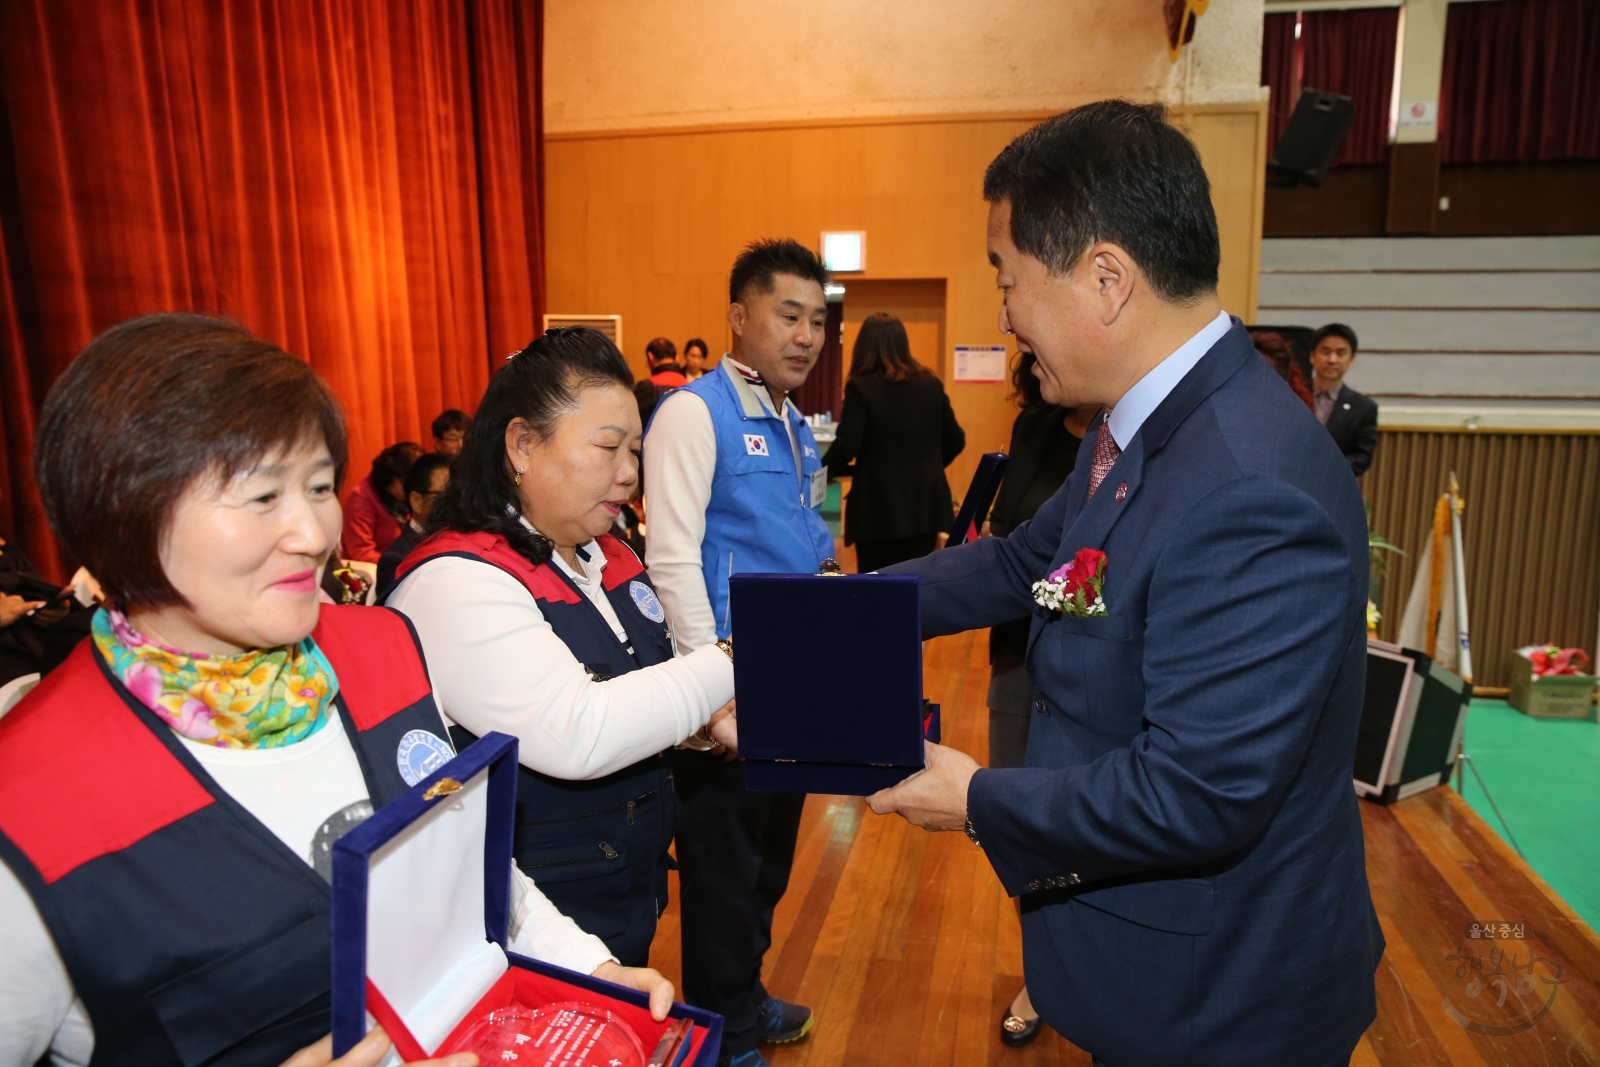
x=972, y=835
x=726, y=644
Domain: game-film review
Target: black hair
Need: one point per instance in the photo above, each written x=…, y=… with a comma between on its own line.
x=450, y=419
x=1335, y=329
x=420, y=477
x=390, y=466
x=538, y=385
x=762, y=260
x=1112, y=171
x=695, y=342
x=1025, y=389
x=883, y=349
x=661, y=349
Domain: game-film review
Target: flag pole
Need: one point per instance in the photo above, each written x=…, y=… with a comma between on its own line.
x=1464, y=656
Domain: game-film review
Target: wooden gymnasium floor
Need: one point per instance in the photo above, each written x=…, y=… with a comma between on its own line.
x=907, y=948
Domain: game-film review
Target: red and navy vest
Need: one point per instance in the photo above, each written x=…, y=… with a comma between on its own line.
x=598, y=848
x=190, y=931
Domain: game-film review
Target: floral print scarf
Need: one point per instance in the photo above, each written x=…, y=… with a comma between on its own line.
x=259, y=699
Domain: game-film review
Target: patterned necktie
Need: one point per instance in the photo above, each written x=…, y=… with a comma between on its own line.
x=1105, y=454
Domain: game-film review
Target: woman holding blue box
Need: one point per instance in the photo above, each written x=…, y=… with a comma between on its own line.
x=170, y=795
x=539, y=623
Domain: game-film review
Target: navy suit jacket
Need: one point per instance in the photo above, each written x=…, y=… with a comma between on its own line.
x=1184, y=835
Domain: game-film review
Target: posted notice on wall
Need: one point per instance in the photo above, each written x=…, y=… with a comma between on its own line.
x=980, y=363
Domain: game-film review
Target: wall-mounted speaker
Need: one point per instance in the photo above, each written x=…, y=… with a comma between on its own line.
x=1311, y=140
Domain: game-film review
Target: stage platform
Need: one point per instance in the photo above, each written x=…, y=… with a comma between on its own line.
x=909, y=951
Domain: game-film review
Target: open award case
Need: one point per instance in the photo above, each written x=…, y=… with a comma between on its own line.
x=828, y=670
x=422, y=898
x=980, y=498
x=1411, y=723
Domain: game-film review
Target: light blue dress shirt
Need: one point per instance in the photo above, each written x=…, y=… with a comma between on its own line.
x=1148, y=392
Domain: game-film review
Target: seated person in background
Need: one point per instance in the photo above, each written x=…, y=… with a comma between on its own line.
x=1350, y=417
x=1276, y=350
x=426, y=479
x=169, y=797
x=896, y=436
x=376, y=507
x=449, y=430
x=665, y=373
x=538, y=622
x=694, y=358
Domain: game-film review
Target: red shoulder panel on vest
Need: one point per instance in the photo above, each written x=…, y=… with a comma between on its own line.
x=622, y=563
x=376, y=658
x=541, y=581
x=81, y=776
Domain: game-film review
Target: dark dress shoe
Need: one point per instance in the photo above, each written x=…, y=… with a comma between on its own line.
x=1017, y=1031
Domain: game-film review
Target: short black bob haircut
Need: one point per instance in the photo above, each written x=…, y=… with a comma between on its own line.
x=1335, y=329
x=151, y=407
x=762, y=260
x=1112, y=171
x=538, y=385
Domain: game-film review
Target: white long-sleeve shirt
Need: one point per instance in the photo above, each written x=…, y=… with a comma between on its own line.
x=300, y=792
x=680, y=460
x=497, y=664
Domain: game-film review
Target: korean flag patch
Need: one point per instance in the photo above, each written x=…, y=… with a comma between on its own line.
x=755, y=445
x=644, y=598
x=420, y=754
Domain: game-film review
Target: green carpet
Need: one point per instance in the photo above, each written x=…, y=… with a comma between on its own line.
x=1545, y=776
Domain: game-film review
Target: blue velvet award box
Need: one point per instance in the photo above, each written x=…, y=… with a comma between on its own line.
x=422, y=899
x=828, y=673
x=980, y=496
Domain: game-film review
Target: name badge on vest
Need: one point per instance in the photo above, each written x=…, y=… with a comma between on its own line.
x=644, y=598
x=755, y=445
x=420, y=754
x=819, y=486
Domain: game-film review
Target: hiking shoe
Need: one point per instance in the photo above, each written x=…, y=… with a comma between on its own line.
x=778, y=1022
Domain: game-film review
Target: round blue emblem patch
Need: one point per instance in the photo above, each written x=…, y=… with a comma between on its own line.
x=420, y=754
x=644, y=598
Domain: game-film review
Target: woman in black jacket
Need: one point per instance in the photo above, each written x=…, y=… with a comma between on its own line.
x=898, y=430
x=1044, y=448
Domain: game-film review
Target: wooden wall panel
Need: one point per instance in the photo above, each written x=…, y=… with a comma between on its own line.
x=645, y=224
x=1531, y=533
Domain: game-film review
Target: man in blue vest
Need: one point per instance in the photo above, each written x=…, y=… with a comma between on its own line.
x=736, y=484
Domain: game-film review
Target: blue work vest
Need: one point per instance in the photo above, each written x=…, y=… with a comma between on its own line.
x=597, y=848
x=760, y=519
x=191, y=932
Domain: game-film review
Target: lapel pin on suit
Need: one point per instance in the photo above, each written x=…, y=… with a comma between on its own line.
x=1122, y=492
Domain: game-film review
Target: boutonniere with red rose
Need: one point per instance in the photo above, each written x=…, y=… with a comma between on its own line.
x=1074, y=587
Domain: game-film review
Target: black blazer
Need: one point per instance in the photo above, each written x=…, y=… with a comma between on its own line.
x=1354, y=425
x=900, y=437
x=391, y=559
x=1043, y=452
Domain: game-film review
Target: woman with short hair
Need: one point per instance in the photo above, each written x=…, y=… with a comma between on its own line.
x=539, y=623
x=896, y=436
x=170, y=795
x=377, y=506
x=695, y=354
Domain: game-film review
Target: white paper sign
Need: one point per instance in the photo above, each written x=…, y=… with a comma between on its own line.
x=1419, y=115
x=980, y=363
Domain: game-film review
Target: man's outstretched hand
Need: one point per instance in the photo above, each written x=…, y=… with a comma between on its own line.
x=935, y=798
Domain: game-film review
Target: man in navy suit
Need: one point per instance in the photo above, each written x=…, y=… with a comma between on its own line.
x=1184, y=836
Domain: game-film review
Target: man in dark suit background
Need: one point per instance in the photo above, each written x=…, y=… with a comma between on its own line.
x=1351, y=417
x=1184, y=835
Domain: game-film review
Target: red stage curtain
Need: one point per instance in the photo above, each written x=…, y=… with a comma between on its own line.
x=360, y=182
x=1279, y=56
x=1352, y=53
x=1521, y=82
